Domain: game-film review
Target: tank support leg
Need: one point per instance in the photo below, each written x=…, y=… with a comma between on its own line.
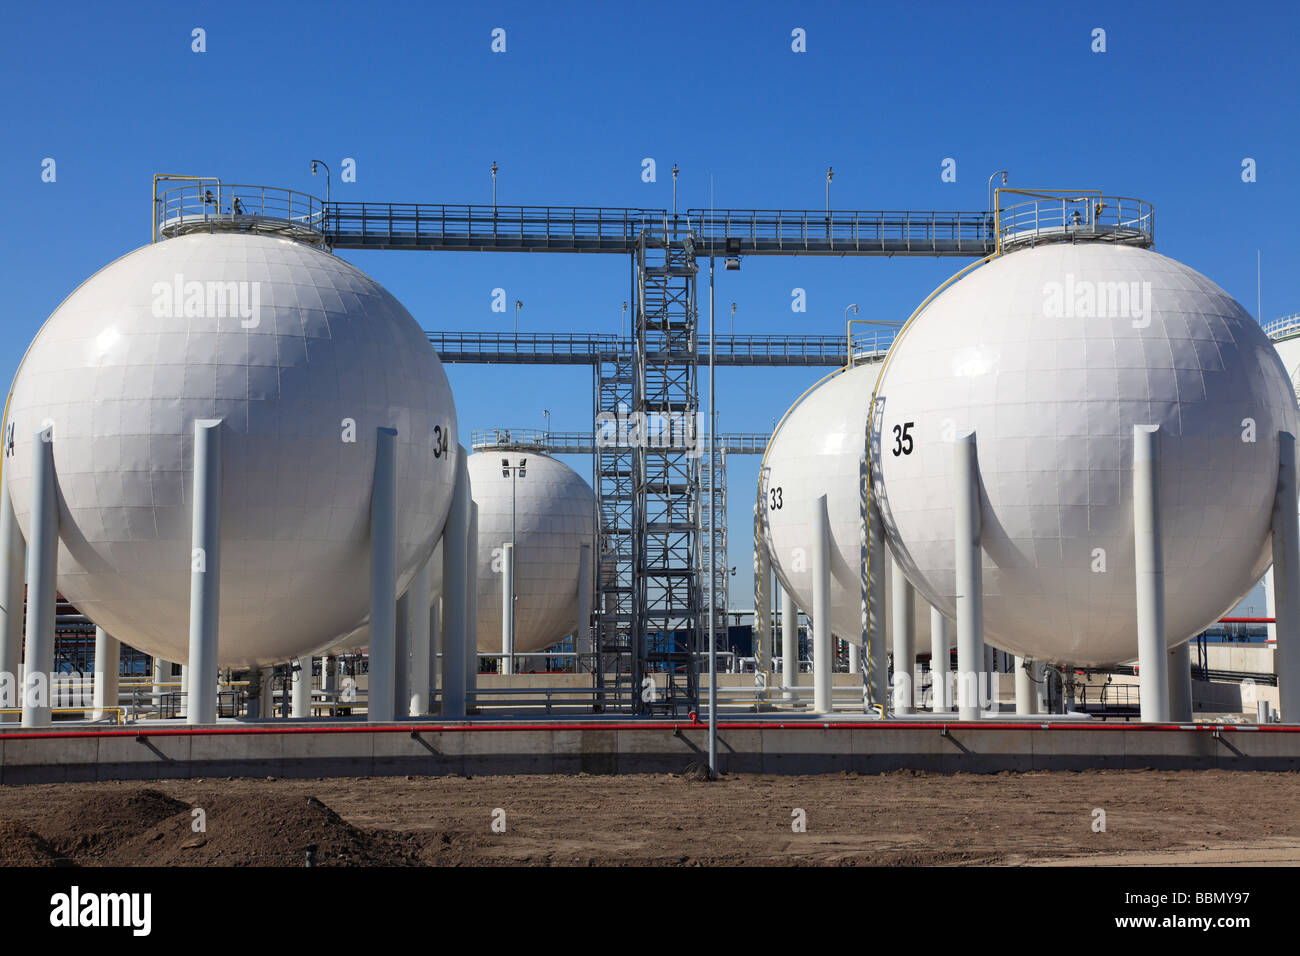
x=402, y=657
x=1026, y=695
x=789, y=645
x=821, y=615
x=1180, y=683
x=969, y=578
x=42, y=574
x=1286, y=580
x=940, y=655
x=903, y=597
x=1149, y=565
x=108, y=664
x=13, y=558
x=200, y=679
x=380, y=706
x=418, y=703
x=471, y=609
x=455, y=556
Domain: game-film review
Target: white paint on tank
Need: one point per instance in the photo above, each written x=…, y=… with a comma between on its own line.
x=1052, y=399
x=817, y=451
x=122, y=382
x=555, y=514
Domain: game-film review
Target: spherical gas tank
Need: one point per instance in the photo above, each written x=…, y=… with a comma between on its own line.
x=302, y=356
x=1050, y=356
x=554, y=514
x=817, y=450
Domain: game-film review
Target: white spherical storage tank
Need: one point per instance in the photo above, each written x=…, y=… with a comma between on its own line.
x=1050, y=356
x=817, y=450
x=554, y=515
x=302, y=356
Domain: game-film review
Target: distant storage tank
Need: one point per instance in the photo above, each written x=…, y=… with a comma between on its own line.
x=816, y=451
x=554, y=515
x=1052, y=355
x=303, y=356
x=1285, y=333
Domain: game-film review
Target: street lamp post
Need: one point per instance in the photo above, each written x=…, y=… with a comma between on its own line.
x=547, y=413
x=494, y=185
x=518, y=305
x=514, y=472
x=848, y=332
x=733, y=322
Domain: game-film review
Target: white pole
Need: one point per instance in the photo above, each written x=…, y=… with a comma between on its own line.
x=108, y=664
x=402, y=657
x=455, y=540
x=969, y=577
x=1026, y=692
x=42, y=574
x=471, y=608
x=582, y=643
x=877, y=617
x=903, y=598
x=302, y=688
x=380, y=706
x=789, y=645
x=13, y=558
x=507, y=608
x=1286, y=581
x=940, y=657
x=1180, y=683
x=199, y=679
x=418, y=704
x=821, y=614
x=1149, y=567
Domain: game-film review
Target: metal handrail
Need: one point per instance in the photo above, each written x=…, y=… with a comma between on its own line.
x=1080, y=216
x=1282, y=328
x=485, y=438
x=195, y=207
x=747, y=230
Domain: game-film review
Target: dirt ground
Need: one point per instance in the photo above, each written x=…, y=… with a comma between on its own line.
x=904, y=818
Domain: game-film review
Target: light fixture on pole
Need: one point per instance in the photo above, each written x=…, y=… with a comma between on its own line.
x=494, y=185
x=830, y=174
x=733, y=321
x=321, y=162
x=548, y=425
x=518, y=305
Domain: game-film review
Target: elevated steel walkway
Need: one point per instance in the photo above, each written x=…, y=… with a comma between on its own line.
x=569, y=348
x=584, y=443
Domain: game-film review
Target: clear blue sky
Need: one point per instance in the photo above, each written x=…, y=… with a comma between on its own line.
x=885, y=92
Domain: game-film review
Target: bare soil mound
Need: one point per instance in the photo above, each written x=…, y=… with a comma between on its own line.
x=86, y=828
x=19, y=846
x=273, y=830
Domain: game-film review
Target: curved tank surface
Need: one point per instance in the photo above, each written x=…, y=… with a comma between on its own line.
x=1051, y=355
x=302, y=356
x=817, y=451
x=554, y=515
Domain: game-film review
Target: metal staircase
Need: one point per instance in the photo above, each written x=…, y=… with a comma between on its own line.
x=666, y=459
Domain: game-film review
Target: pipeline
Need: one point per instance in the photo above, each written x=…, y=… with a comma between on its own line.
x=676, y=727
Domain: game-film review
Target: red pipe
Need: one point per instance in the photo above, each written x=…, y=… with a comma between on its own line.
x=1247, y=620
x=641, y=726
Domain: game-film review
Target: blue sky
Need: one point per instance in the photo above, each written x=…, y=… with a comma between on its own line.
x=584, y=92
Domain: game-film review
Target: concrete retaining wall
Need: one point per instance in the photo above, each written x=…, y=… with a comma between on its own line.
x=863, y=748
